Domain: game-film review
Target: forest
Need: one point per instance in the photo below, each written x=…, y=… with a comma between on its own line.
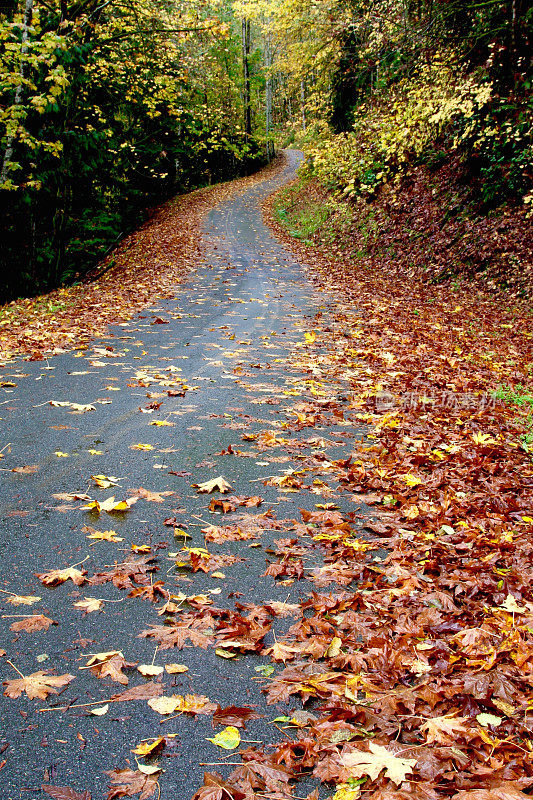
x=266, y=413
x=109, y=107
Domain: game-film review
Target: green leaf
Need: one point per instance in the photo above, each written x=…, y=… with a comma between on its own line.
x=266, y=670
x=228, y=739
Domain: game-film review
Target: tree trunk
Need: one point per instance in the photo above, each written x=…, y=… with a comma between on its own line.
x=268, y=99
x=246, y=73
x=8, y=155
x=302, y=101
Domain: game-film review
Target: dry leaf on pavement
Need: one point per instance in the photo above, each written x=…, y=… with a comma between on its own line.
x=38, y=684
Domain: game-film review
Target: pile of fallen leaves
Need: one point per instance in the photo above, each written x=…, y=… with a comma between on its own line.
x=145, y=267
x=427, y=227
x=423, y=666
x=407, y=670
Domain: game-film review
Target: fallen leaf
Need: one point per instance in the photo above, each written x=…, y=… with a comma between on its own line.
x=22, y=599
x=71, y=496
x=111, y=505
x=77, y=408
x=334, y=648
x=28, y=470
x=512, y=606
x=36, y=622
x=104, y=536
x=489, y=719
x=164, y=705
x=146, y=691
x=65, y=793
x=149, y=670
x=128, y=782
x=346, y=792
x=219, y=484
x=148, y=770
x=228, y=739
x=359, y=763
x=234, y=715
x=225, y=653
x=110, y=665
x=58, y=576
x=501, y=791
x=150, y=748
x=215, y=788
x=38, y=684
x=188, y=704
x=152, y=497
x=100, y=711
x=444, y=730
x=89, y=604
x=104, y=482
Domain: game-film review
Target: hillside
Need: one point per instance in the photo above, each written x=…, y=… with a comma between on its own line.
x=426, y=227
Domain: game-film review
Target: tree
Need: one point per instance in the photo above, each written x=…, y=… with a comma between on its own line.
x=106, y=108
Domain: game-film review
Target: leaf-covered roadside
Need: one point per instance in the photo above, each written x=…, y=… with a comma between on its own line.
x=145, y=267
x=435, y=650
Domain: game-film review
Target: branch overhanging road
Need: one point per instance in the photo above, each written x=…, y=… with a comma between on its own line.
x=225, y=359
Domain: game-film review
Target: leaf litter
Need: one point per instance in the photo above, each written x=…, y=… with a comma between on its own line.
x=413, y=648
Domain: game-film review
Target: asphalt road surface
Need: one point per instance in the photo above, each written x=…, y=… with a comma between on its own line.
x=220, y=358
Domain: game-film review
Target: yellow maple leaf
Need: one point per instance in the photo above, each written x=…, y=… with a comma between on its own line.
x=410, y=480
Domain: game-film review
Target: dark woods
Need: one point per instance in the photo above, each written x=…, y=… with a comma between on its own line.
x=107, y=110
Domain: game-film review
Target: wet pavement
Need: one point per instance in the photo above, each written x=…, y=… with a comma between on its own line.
x=224, y=360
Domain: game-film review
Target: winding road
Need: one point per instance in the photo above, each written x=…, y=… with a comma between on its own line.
x=227, y=358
